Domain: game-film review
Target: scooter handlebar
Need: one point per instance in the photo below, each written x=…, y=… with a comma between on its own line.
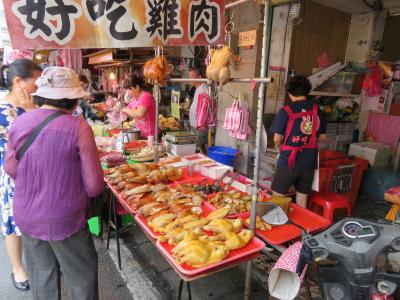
x=355, y=243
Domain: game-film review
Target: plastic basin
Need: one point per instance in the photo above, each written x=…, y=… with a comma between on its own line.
x=224, y=155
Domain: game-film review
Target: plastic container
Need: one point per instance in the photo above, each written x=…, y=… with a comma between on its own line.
x=224, y=155
x=242, y=184
x=214, y=171
x=181, y=150
x=193, y=158
x=328, y=154
x=94, y=226
x=328, y=167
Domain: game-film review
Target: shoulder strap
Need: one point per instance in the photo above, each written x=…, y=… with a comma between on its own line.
x=288, y=110
x=314, y=124
x=29, y=141
x=290, y=123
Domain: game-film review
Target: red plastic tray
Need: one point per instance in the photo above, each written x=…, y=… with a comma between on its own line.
x=307, y=219
x=135, y=144
x=186, y=177
x=145, y=226
x=302, y=217
x=254, y=246
x=115, y=131
x=120, y=199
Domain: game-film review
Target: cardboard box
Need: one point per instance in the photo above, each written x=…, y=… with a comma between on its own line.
x=180, y=150
x=214, y=171
x=242, y=184
x=377, y=154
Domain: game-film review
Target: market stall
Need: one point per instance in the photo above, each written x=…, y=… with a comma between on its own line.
x=199, y=227
x=176, y=209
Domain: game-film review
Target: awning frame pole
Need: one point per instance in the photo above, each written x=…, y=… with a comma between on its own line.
x=157, y=100
x=234, y=80
x=260, y=111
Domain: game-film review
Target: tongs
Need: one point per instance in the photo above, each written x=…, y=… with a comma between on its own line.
x=216, y=187
x=218, y=182
x=233, y=178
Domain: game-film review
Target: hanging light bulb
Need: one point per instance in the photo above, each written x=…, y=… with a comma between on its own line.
x=112, y=76
x=38, y=57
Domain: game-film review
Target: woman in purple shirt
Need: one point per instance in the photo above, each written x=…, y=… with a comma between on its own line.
x=55, y=178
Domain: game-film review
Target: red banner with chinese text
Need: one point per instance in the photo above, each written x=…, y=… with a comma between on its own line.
x=54, y=24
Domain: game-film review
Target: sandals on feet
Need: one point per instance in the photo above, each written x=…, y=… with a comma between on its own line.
x=22, y=286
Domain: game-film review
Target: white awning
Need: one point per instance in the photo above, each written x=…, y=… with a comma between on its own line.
x=4, y=36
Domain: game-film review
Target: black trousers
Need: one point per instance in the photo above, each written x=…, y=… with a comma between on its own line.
x=76, y=256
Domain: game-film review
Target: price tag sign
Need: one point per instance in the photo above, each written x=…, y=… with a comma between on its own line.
x=247, y=38
x=175, y=107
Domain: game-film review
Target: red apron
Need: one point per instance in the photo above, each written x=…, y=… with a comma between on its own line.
x=313, y=140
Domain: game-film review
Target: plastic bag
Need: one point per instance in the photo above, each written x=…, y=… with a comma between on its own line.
x=372, y=83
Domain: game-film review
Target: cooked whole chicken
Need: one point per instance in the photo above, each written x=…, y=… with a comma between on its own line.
x=155, y=70
x=218, y=69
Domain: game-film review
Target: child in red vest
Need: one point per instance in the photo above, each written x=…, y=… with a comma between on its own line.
x=297, y=129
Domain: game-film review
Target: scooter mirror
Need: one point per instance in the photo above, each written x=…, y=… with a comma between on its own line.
x=272, y=213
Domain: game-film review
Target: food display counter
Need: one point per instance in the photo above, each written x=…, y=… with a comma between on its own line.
x=159, y=195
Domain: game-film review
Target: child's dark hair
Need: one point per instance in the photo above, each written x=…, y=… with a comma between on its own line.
x=137, y=81
x=59, y=103
x=298, y=86
x=23, y=68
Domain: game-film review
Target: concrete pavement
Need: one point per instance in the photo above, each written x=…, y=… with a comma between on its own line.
x=7, y=290
x=145, y=275
x=111, y=284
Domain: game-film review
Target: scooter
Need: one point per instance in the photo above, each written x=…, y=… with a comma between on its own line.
x=356, y=244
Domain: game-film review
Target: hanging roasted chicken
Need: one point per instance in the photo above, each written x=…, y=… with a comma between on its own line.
x=218, y=69
x=156, y=70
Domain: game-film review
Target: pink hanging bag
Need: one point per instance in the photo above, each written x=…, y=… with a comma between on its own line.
x=232, y=117
x=203, y=116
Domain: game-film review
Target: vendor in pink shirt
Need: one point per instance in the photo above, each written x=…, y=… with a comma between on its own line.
x=142, y=108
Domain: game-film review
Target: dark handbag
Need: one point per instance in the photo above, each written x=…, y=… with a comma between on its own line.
x=29, y=141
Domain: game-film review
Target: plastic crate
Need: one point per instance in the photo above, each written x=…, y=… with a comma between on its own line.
x=327, y=155
x=343, y=138
x=328, y=168
x=346, y=129
x=331, y=129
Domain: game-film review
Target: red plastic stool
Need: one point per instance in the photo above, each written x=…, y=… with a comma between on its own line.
x=329, y=203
